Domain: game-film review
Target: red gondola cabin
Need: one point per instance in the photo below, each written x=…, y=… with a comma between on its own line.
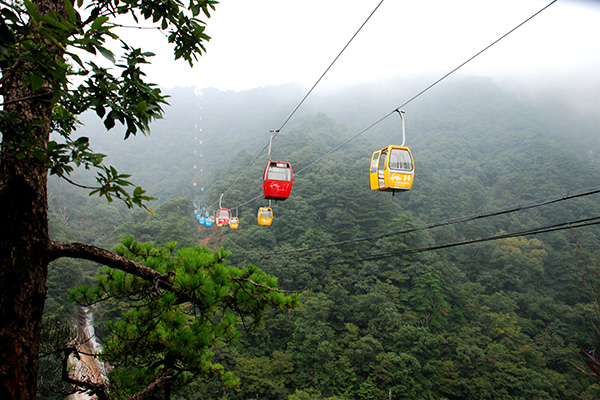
x=223, y=216
x=277, y=180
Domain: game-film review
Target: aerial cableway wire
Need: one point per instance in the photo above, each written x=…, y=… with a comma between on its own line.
x=329, y=67
x=410, y=99
x=581, y=223
x=534, y=231
x=476, y=55
x=240, y=175
x=275, y=132
x=457, y=220
x=427, y=88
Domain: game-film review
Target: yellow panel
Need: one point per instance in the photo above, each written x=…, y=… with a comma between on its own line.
x=373, y=171
x=401, y=181
x=265, y=216
x=397, y=173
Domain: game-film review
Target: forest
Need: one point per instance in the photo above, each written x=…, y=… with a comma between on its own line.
x=479, y=283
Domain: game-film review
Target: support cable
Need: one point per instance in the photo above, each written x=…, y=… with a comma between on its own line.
x=428, y=87
x=275, y=132
x=534, y=231
x=467, y=218
x=329, y=67
x=396, y=109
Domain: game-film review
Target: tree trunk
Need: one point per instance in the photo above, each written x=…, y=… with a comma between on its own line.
x=24, y=238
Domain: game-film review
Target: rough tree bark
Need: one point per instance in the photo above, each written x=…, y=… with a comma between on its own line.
x=28, y=57
x=24, y=238
x=23, y=245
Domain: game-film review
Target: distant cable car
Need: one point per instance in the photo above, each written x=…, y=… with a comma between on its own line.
x=223, y=216
x=208, y=222
x=234, y=222
x=265, y=216
x=392, y=168
x=277, y=178
x=201, y=219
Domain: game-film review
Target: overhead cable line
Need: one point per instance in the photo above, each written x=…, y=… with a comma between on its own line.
x=344, y=143
x=534, y=231
x=244, y=171
x=403, y=104
x=329, y=67
x=467, y=218
x=476, y=55
x=427, y=88
x=275, y=132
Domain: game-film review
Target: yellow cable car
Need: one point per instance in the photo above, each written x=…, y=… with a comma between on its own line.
x=234, y=223
x=392, y=168
x=265, y=216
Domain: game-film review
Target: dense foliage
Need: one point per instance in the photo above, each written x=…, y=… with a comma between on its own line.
x=502, y=319
x=49, y=77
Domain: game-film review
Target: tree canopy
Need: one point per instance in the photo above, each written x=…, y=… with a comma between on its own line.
x=49, y=77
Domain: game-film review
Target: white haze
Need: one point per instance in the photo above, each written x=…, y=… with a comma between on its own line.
x=271, y=42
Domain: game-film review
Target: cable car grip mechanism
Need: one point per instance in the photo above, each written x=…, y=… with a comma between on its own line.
x=274, y=132
x=401, y=114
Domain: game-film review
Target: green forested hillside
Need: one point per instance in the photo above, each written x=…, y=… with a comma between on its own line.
x=494, y=320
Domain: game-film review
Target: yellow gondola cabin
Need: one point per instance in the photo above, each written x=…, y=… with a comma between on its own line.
x=392, y=169
x=265, y=216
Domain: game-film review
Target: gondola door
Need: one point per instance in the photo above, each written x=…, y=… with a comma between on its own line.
x=373, y=173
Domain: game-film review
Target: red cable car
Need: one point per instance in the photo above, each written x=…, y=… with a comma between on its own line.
x=223, y=216
x=277, y=180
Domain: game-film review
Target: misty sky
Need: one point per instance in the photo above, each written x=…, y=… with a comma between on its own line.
x=270, y=42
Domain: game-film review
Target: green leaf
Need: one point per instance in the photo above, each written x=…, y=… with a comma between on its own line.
x=54, y=22
x=31, y=8
x=100, y=111
x=71, y=11
x=106, y=53
x=138, y=191
x=98, y=22
x=36, y=82
x=109, y=122
x=141, y=106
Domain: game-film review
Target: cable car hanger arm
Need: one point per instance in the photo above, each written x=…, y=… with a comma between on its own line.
x=401, y=113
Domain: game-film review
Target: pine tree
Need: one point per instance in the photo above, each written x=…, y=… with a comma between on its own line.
x=43, y=48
